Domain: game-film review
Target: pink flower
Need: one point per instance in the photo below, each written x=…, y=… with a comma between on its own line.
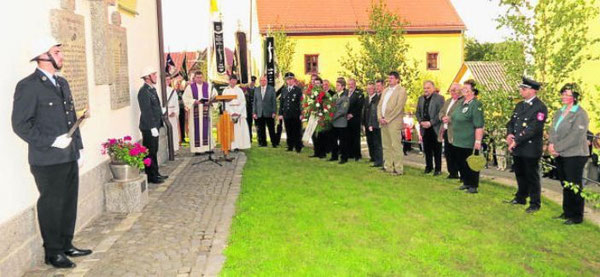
x=147, y=161
x=134, y=151
x=112, y=141
x=127, y=138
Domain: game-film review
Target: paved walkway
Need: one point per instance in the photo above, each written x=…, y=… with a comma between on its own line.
x=181, y=232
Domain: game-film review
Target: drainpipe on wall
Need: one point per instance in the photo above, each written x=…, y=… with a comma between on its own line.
x=163, y=94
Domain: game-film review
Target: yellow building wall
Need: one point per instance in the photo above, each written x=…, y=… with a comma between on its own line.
x=332, y=48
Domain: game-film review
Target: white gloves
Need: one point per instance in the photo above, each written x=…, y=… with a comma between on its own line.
x=62, y=141
x=154, y=132
x=164, y=110
x=80, y=160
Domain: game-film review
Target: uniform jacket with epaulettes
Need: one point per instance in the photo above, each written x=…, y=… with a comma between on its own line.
x=527, y=125
x=289, y=106
x=42, y=112
x=150, y=109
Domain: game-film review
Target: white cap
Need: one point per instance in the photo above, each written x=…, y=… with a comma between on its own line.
x=147, y=71
x=42, y=45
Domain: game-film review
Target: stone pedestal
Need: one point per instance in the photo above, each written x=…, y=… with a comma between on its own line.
x=126, y=197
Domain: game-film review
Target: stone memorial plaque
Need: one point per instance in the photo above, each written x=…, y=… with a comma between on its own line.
x=69, y=29
x=99, y=18
x=119, y=87
x=68, y=5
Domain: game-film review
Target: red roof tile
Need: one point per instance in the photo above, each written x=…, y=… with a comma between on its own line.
x=326, y=16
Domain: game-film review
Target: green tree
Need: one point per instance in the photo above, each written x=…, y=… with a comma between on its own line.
x=555, y=40
x=383, y=48
x=285, y=48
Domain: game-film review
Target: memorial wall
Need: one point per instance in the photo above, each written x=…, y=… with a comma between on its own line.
x=104, y=52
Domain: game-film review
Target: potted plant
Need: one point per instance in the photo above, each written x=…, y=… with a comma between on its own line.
x=126, y=158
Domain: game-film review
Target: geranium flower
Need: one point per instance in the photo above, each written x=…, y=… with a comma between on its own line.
x=147, y=161
x=127, y=138
x=112, y=141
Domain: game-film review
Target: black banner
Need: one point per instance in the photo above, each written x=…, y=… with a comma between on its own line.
x=242, y=54
x=219, y=47
x=270, y=60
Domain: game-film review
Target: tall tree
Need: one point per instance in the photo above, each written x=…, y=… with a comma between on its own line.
x=555, y=38
x=383, y=48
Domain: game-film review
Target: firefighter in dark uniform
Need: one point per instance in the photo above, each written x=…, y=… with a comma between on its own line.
x=150, y=122
x=525, y=141
x=43, y=112
x=291, y=113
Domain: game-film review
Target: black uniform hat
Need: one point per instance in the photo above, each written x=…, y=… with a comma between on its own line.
x=289, y=75
x=529, y=83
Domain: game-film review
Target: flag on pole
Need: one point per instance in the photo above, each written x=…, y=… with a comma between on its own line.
x=213, y=6
x=170, y=63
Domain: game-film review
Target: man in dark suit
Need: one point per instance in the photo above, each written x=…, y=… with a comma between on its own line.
x=43, y=112
x=319, y=139
x=525, y=141
x=150, y=122
x=249, y=95
x=290, y=112
x=356, y=100
x=428, y=109
x=264, y=110
x=371, y=125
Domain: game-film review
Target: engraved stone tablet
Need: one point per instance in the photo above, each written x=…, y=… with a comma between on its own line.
x=99, y=18
x=69, y=29
x=68, y=4
x=119, y=88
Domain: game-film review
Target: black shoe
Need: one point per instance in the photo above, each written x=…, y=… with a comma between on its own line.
x=313, y=156
x=75, y=252
x=515, y=202
x=276, y=145
x=452, y=177
x=463, y=187
x=333, y=160
x=262, y=146
x=532, y=209
x=377, y=165
x=561, y=216
x=437, y=173
x=571, y=221
x=427, y=171
x=343, y=161
x=164, y=177
x=357, y=159
x=471, y=190
x=59, y=261
x=156, y=181
x=290, y=149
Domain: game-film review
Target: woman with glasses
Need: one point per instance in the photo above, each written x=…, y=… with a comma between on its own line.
x=568, y=144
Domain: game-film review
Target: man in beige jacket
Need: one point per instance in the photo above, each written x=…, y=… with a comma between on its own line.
x=390, y=113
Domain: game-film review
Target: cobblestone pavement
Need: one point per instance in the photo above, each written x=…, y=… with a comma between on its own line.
x=182, y=231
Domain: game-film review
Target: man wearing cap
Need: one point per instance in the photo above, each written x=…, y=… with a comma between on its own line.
x=43, y=112
x=524, y=139
x=290, y=112
x=150, y=122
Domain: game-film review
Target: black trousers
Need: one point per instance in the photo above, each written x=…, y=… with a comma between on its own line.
x=470, y=177
x=374, y=143
x=293, y=130
x=432, y=149
x=450, y=159
x=527, y=171
x=319, y=142
x=58, y=186
x=151, y=143
x=570, y=169
x=260, y=130
x=182, y=124
x=326, y=140
x=353, y=137
x=249, y=119
x=339, y=143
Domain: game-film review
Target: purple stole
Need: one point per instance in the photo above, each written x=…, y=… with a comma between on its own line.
x=205, y=116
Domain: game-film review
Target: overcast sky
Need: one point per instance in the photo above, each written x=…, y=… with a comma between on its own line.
x=186, y=20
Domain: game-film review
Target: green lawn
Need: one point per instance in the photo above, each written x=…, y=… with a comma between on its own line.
x=304, y=217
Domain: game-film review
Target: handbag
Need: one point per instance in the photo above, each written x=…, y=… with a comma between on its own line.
x=476, y=162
